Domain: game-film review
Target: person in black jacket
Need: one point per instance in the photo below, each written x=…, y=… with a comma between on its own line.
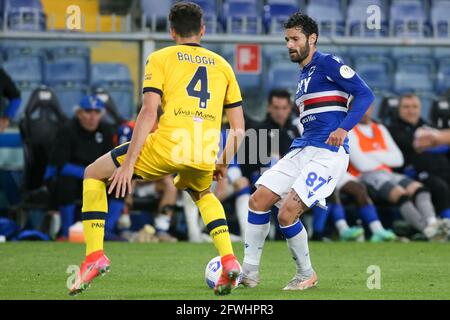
x=431, y=167
x=278, y=126
x=9, y=91
x=79, y=143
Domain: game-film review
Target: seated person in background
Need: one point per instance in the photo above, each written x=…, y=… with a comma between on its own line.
x=9, y=91
x=373, y=154
x=351, y=186
x=431, y=167
x=164, y=187
x=78, y=143
x=234, y=184
x=278, y=117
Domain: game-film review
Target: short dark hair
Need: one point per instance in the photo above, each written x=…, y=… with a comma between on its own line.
x=186, y=18
x=279, y=93
x=406, y=96
x=306, y=23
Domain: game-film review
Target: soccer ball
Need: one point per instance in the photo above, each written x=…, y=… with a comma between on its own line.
x=214, y=270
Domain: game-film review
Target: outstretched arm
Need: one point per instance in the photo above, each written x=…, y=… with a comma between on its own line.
x=234, y=139
x=363, y=97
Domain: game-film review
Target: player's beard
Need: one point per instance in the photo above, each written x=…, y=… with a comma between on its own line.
x=301, y=54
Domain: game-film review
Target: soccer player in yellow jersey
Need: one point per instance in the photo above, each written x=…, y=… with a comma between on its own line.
x=193, y=85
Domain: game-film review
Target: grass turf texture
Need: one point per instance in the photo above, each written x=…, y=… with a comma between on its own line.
x=32, y=270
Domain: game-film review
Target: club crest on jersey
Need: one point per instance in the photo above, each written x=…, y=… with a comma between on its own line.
x=98, y=137
x=346, y=72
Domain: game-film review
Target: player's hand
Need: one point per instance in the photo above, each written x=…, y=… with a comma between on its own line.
x=121, y=180
x=220, y=172
x=337, y=137
x=4, y=123
x=425, y=138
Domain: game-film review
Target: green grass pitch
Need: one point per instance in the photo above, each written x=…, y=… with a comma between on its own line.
x=31, y=270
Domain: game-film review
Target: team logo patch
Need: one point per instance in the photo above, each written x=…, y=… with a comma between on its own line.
x=346, y=72
x=98, y=137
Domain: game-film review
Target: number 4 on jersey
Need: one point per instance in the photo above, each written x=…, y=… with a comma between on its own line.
x=201, y=76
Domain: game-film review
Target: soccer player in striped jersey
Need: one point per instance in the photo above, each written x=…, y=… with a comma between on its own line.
x=310, y=171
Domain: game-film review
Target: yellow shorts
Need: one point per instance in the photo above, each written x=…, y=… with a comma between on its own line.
x=150, y=165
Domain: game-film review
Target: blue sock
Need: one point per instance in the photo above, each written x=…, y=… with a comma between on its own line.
x=115, y=208
x=368, y=213
x=67, y=218
x=292, y=230
x=445, y=214
x=260, y=218
x=337, y=212
x=320, y=216
x=245, y=190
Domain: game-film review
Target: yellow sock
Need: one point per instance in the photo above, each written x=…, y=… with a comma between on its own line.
x=213, y=216
x=95, y=207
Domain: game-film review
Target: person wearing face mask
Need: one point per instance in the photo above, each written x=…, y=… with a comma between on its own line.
x=431, y=165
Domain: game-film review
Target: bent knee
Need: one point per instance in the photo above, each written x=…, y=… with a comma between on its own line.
x=258, y=203
x=396, y=193
x=412, y=188
x=89, y=172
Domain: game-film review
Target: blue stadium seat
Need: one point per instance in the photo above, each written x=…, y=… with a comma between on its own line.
x=210, y=14
x=156, y=12
x=414, y=74
x=2, y=13
x=241, y=17
x=25, y=15
x=214, y=47
x=412, y=52
x=426, y=100
x=441, y=53
x=69, y=94
x=70, y=51
x=357, y=20
x=272, y=52
x=67, y=69
x=122, y=95
x=328, y=16
x=276, y=12
x=283, y=75
x=26, y=90
x=327, y=3
x=24, y=68
x=356, y=52
x=115, y=78
x=443, y=76
x=439, y=18
x=105, y=72
x=27, y=75
x=408, y=18
x=14, y=51
x=375, y=71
